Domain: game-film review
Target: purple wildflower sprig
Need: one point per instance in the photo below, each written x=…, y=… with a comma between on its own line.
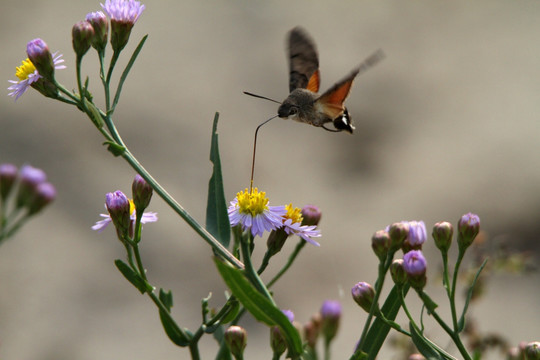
x=24, y=192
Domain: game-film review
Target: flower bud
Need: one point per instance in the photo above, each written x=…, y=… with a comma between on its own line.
x=468, y=228
x=44, y=195
x=442, y=234
x=30, y=178
x=236, y=340
x=99, y=22
x=8, y=175
x=330, y=316
x=39, y=54
x=277, y=340
x=82, y=35
x=415, y=266
x=142, y=193
x=119, y=209
x=312, y=330
x=380, y=243
x=398, y=233
x=311, y=215
x=363, y=294
x=532, y=351
x=417, y=236
x=276, y=240
x=398, y=272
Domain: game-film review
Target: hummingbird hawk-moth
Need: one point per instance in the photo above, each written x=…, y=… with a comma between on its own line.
x=304, y=104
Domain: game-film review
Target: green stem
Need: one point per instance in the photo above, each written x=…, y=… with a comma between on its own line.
x=114, y=59
x=7, y=233
x=165, y=311
x=194, y=350
x=216, y=245
x=452, y=295
x=284, y=269
x=250, y=272
x=454, y=335
x=383, y=269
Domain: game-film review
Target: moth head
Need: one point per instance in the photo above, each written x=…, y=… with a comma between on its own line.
x=297, y=105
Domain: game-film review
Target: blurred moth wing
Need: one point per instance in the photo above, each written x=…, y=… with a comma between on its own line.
x=303, y=103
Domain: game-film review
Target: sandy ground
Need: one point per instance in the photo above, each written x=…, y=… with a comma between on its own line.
x=447, y=124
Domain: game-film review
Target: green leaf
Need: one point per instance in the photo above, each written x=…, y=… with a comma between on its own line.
x=126, y=72
x=425, y=348
x=379, y=330
x=114, y=148
x=461, y=322
x=131, y=276
x=259, y=306
x=428, y=302
x=170, y=328
x=217, y=218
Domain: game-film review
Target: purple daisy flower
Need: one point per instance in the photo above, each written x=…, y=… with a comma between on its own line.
x=147, y=217
x=125, y=11
x=28, y=75
x=251, y=211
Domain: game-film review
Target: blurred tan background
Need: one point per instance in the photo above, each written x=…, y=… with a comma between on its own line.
x=447, y=124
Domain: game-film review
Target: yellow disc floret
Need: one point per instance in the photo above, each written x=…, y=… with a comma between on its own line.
x=253, y=203
x=295, y=214
x=25, y=69
x=131, y=207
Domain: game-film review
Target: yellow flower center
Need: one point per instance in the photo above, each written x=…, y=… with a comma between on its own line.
x=131, y=207
x=25, y=69
x=253, y=203
x=295, y=214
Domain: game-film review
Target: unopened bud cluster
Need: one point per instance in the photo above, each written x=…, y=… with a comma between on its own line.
x=25, y=189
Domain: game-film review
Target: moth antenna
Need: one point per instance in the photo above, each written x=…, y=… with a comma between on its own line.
x=254, y=149
x=261, y=97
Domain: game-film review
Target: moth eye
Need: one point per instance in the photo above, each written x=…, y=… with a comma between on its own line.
x=293, y=111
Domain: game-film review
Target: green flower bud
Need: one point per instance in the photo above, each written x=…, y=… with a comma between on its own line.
x=380, y=243
x=82, y=34
x=142, y=193
x=468, y=228
x=399, y=276
x=398, y=233
x=363, y=294
x=442, y=234
x=236, y=340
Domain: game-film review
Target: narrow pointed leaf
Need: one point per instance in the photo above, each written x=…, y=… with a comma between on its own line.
x=379, y=330
x=131, y=276
x=126, y=72
x=423, y=346
x=217, y=218
x=259, y=306
x=461, y=322
x=170, y=328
